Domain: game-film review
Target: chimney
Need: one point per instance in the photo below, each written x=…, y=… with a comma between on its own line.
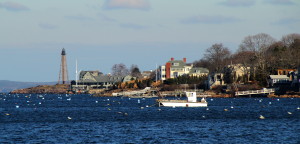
x=172, y=59
x=184, y=60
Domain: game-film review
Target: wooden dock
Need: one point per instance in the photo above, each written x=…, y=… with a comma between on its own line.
x=255, y=92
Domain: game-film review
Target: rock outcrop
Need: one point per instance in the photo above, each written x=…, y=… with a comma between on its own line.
x=49, y=89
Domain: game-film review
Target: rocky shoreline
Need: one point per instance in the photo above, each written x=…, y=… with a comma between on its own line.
x=64, y=89
x=44, y=89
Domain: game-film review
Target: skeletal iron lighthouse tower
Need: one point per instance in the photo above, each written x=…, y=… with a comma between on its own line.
x=63, y=73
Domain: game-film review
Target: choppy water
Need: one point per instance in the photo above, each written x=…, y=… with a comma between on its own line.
x=85, y=119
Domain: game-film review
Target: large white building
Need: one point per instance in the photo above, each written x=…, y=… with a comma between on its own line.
x=175, y=68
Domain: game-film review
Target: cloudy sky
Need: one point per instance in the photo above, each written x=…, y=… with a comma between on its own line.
x=100, y=33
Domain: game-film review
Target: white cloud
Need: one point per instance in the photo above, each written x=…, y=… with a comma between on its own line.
x=127, y=4
x=12, y=6
x=238, y=3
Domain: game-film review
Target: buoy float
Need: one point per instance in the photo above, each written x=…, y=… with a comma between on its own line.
x=225, y=109
x=290, y=113
x=261, y=117
x=69, y=118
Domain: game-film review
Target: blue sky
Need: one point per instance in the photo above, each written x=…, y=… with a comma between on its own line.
x=100, y=33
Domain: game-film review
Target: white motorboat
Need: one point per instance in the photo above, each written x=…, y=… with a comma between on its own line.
x=190, y=102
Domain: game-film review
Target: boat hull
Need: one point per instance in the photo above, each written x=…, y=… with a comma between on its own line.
x=181, y=104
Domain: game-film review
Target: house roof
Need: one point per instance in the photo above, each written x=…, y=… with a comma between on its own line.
x=181, y=64
x=198, y=70
x=82, y=73
x=279, y=77
x=103, y=78
x=106, y=78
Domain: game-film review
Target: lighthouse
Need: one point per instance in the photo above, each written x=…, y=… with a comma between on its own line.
x=63, y=73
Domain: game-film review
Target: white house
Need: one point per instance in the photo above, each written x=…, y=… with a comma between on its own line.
x=278, y=79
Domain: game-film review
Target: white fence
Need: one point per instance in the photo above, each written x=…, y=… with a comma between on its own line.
x=250, y=92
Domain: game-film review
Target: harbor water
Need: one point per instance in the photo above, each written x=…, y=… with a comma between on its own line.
x=37, y=118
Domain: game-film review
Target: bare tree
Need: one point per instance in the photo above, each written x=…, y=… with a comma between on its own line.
x=135, y=71
x=258, y=44
x=295, y=48
x=119, y=70
x=291, y=49
x=217, y=55
x=201, y=63
x=289, y=39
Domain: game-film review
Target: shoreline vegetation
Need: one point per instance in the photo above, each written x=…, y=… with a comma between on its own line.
x=64, y=89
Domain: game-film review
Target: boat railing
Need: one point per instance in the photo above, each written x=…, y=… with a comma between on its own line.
x=167, y=100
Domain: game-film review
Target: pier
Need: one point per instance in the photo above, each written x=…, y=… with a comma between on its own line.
x=253, y=92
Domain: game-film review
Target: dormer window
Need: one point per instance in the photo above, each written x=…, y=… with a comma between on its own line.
x=175, y=64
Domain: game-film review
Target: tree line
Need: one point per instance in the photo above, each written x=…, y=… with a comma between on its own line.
x=258, y=56
x=261, y=53
x=122, y=70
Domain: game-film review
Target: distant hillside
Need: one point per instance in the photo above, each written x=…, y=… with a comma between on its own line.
x=8, y=86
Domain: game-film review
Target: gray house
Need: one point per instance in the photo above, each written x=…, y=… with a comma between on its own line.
x=97, y=80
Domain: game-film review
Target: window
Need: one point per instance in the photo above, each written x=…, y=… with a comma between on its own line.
x=175, y=64
x=218, y=77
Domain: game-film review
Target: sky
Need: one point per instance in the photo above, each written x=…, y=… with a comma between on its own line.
x=101, y=33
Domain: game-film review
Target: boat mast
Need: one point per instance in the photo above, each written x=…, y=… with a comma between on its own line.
x=156, y=73
x=76, y=78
